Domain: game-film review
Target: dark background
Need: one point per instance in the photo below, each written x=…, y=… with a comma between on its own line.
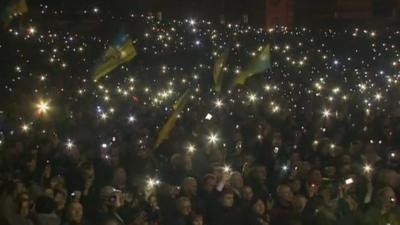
x=306, y=12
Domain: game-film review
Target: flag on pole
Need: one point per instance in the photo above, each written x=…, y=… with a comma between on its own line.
x=13, y=9
x=260, y=63
x=169, y=125
x=219, y=65
x=114, y=56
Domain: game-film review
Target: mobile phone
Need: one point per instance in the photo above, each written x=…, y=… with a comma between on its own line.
x=349, y=181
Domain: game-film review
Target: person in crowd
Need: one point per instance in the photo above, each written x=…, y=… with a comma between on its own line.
x=247, y=197
x=46, y=211
x=183, y=212
x=24, y=212
x=226, y=211
x=236, y=184
x=258, y=213
x=312, y=140
x=110, y=202
x=197, y=219
x=282, y=210
x=74, y=214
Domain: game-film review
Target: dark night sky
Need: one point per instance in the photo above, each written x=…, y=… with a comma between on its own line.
x=304, y=9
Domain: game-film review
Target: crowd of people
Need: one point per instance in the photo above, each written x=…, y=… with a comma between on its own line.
x=313, y=140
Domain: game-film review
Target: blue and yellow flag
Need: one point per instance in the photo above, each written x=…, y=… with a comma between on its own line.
x=13, y=9
x=170, y=124
x=113, y=57
x=258, y=64
x=219, y=65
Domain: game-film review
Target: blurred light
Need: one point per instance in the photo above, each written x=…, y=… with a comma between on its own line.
x=69, y=144
x=218, y=103
x=227, y=169
x=25, y=128
x=131, y=119
x=367, y=168
x=43, y=107
x=191, y=148
x=32, y=30
x=152, y=182
x=326, y=113
x=213, y=138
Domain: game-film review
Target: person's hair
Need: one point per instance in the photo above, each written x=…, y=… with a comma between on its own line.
x=187, y=179
x=194, y=216
x=68, y=206
x=45, y=205
x=208, y=176
x=226, y=191
x=181, y=200
x=280, y=187
x=20, y=199
x=255, y=200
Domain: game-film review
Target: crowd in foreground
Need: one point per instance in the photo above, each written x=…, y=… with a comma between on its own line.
x=313, y=141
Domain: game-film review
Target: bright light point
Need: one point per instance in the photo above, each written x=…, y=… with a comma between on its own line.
x=25, y=127
x=275, y=109
x=336, y=90
x=95, y=10
x=208, y=116
x=131, y=119
x=213, y=138
x=218, y=103
x=104, y=145
x=285, y=168
x=378, y=96
x=192, y=22
x=31, y=30
x=367, y=168
x=227, y=169
x=191, y=148
x=392, y=154
x=69, y=144
x=151, y=183
x=43, y=107
x=332, y=146
x=326, y=113
x=252, y=97
x=103, y=116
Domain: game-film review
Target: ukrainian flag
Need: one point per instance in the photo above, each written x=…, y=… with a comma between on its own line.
x=113, y=57
x=170, y=124
x=13, y=9
x=219, y=65
x=260, y=63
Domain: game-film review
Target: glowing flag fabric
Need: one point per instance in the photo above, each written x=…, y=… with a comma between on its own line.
x=219, y=65
x=13, y=9
x=170, y=124
x=258, y=64
x=113, y=57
